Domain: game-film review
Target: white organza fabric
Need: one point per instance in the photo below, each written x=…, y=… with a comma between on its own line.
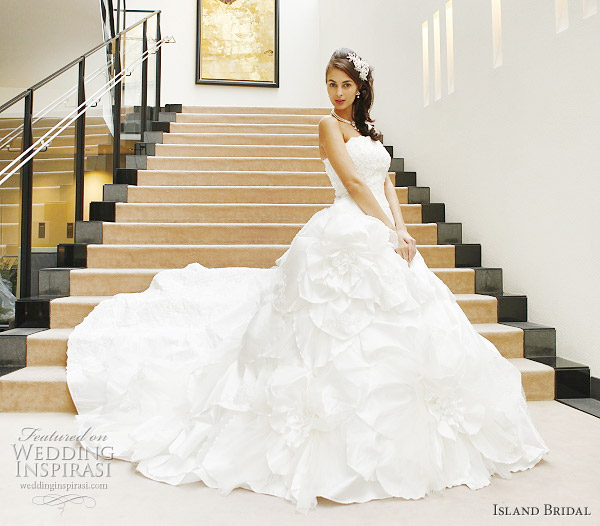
x=342, y=371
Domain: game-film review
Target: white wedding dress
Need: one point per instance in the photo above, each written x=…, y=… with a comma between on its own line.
x=342, y=371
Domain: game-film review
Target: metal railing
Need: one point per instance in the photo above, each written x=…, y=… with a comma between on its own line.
x=114, y=86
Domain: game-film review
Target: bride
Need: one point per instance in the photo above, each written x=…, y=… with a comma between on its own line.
x=347, y=370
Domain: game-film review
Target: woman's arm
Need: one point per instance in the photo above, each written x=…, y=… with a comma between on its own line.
x=332, y=140
x=392, y=197
x=407, y=245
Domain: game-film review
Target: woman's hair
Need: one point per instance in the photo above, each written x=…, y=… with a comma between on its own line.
x=362, y=104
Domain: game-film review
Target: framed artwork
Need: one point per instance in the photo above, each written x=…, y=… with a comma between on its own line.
x=237, y=42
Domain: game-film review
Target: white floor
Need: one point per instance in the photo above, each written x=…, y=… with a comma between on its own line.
x=568, y=477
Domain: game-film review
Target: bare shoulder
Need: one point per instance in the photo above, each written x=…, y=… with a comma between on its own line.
x=328, y=127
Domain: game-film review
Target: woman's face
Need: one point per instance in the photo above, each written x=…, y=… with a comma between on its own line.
x=341, y=89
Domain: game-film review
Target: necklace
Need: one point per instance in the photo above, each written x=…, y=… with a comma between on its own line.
x=343, y=120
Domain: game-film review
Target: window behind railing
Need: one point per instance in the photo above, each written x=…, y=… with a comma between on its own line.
x=79, y=124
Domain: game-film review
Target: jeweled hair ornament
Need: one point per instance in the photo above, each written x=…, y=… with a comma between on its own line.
x=360, y=65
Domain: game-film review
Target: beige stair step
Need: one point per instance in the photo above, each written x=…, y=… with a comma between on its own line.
x=198, y=233
x=296, y=139
x=538, y=379
x=224, y=233
x=257, y=109
x=292, y=164
x=36, y=389
x=239, y=255
x=236, y=150
x=249, y=118
x=230, y=178
x=71, y=310
x=44, y=388
x=110, y=281
x=458, y=280
x=479, y=308
x=232, y=127
x=232, y=194
x=508, y=340
x=232, y=212
x=176, y=256
x=48, y=347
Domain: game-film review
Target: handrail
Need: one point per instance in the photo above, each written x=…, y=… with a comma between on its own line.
x=30, y=147
x=59, y=72
x=11, y=136
x=31, y=151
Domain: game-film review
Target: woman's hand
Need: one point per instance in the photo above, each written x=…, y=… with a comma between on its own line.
x=407, y=246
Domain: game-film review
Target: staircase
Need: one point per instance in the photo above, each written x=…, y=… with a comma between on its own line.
x=231, y=186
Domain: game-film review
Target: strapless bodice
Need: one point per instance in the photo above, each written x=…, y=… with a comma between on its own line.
x=372, y=163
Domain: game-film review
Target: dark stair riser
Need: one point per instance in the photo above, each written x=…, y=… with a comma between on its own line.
x=405, y=178
x=572, y=379
x=32, y=312
x=73, y=255
x=538, y=340
x=512, y=307
x=13, y=347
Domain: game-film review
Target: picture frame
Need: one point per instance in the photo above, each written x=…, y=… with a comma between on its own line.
x=237, y=42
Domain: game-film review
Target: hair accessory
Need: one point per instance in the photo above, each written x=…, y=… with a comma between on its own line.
x=360, y=65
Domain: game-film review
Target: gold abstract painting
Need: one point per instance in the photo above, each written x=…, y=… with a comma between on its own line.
x=237, y=42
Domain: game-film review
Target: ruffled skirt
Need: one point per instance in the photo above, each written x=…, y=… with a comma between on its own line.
x=342, y=371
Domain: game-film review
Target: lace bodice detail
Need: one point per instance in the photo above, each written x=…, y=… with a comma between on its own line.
x=372, y=162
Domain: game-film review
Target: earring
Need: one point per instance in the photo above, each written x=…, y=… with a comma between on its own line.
x=357, y=94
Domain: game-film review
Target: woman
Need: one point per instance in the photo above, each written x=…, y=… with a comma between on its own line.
x=347, y=370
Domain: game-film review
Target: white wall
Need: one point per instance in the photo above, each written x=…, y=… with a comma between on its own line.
x=38, y=37
x=512, y=152
x=298, y=48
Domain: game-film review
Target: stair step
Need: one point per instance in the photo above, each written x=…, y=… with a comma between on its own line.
x=236, y=150
x=261, y=256
x=292, y=164
x=296, y=139
x=230, y=178
x=36, y=389
x=235, y=128
x=479, y=308
x=537, y=379
x=508, y=340
x=49, y=347
x=249, y=118
x=234, y=178
x=69, y=311
x=256, y=110
x=245, y=194
x=44, y=388
x=110, y=281
x=232, y=212
x=225, y=233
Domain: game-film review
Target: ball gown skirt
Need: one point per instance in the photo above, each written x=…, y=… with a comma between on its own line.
x=342, y=371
